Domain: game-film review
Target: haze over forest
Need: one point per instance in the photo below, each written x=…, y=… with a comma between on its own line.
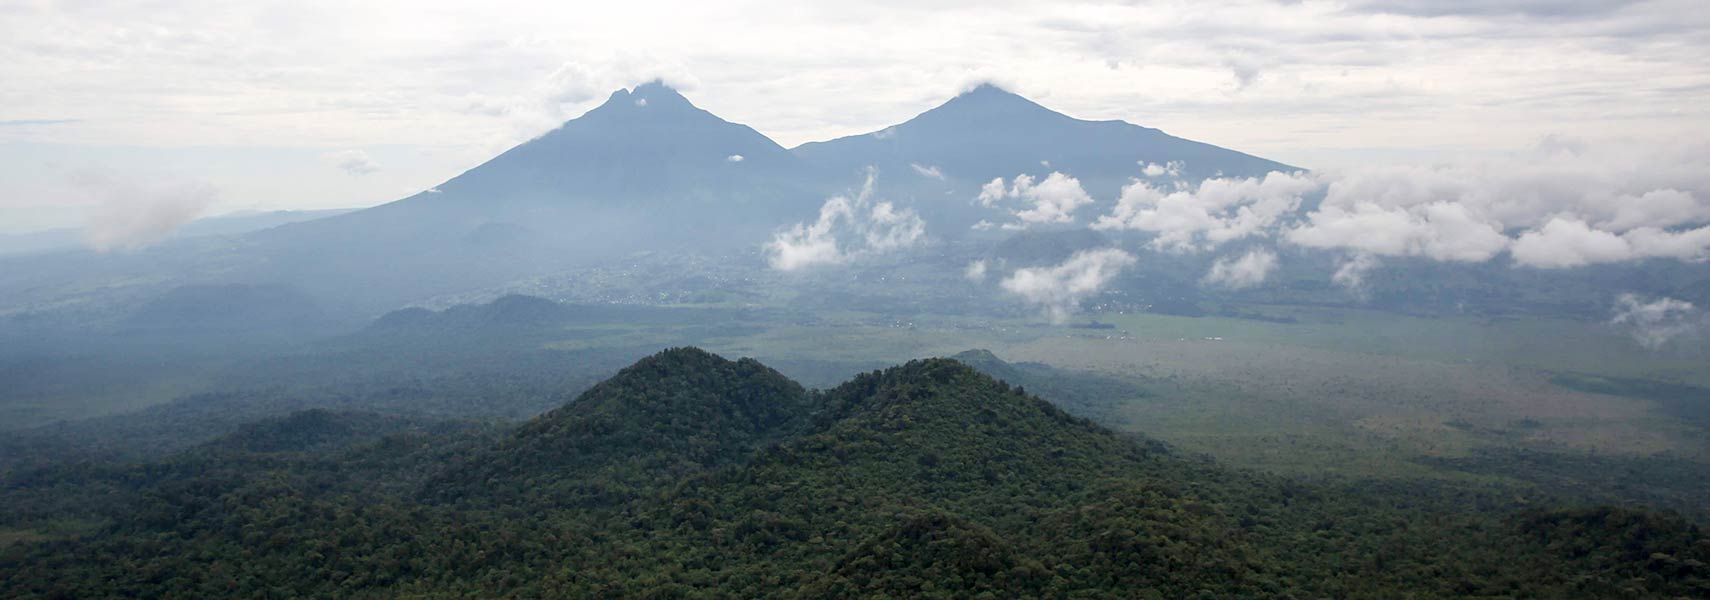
x=1236, y=300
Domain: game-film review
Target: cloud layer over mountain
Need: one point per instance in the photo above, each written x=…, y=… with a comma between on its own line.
x=1561, y=206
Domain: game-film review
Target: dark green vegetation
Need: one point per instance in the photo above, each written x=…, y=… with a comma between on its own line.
x=1685, y=402
x=690, y=476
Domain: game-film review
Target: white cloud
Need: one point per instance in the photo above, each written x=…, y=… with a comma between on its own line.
x=846, y=229
x=1154, y=170
x=735, y=158
x=1654, y=323
x=1565, y=242
x=1692, y=245
x=927, y=171
x=1217, y=211
x=1059, y=290
x=1574, y=203
x=1569, y=243
x=992, y=192
x=1351, y=274
x=1655, y=208
x=1248, y=271
x=1571, y=205
x=354, y=162
x=976, y=271
x=1443, y=231
x=1053, y=200
x=888, y=228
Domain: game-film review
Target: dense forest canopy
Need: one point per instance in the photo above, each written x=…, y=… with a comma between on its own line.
x=689, y=475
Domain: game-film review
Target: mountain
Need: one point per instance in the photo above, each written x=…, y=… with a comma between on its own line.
x=1029, y=248
x=242, y=222
x=688, y=475
x=646, y=171
x=671, y=415
x=647, y=148
x=511, y=311
x=988, y=132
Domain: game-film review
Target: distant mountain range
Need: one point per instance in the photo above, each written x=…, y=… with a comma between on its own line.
x=645, y=171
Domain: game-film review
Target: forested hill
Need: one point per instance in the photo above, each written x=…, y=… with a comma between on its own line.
x=691, y=476
x=669, y=416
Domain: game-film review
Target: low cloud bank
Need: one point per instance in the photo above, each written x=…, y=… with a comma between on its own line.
x=1059, y=290
x=846, y=229
x=1562, y=205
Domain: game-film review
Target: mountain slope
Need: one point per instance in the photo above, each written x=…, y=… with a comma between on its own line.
x=645, y=171
x=932, y=443
x=988, y=132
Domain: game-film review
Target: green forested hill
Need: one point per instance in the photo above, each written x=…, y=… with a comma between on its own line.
x=669, y=416
x=691, y=476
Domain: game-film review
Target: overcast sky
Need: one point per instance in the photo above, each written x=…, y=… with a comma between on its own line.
x=330, y=104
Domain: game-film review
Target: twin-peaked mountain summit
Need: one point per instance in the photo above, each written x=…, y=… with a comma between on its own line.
x=649, y=171
x=648, y=158
x=646, y=171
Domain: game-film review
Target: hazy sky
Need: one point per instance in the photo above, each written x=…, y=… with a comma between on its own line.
x=325, y=104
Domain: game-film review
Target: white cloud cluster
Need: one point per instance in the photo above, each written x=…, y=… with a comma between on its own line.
x=1248, y=271
x=1570, y=206
x=846, y=229
x=1170, y=168
x=1052, y=200
x=1570, y=242
x=1059, y=289
x=1445, y=231
x=1218, y=210
x=1564, y=205
x=1654, y=323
